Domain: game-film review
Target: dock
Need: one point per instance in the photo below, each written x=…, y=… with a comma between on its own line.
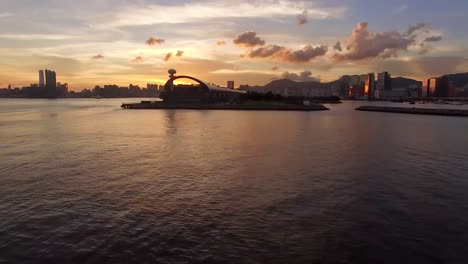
x=245, y=107
x=414, y=110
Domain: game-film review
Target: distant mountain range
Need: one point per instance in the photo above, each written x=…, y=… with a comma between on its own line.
x=287, y=87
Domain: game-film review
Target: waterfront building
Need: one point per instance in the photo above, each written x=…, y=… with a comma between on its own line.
x=230, y=84
x=199, y=93
x=62, y=89
x=152, y=86
x=442, y=87
x=357, y=86
x=51, y=83
x=41, y=79
x=370, y=86
x=134, y=90
x=402, y=88
x=384, y=81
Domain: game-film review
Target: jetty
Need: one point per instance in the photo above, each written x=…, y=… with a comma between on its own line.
x=414, y=110
x=246, y=107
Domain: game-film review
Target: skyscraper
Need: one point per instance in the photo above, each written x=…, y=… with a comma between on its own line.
x=41, y=79
x=230, y=84
x=442, y=87
x=51, y=84
x=370, y=86
x=384, y=81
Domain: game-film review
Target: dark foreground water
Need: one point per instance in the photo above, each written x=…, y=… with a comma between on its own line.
x=82, y=181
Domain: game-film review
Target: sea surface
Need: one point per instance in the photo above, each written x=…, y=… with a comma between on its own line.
x=83, y=181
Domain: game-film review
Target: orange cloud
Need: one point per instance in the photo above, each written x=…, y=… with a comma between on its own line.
x=154, y=41
x=168, y=56
x=248, y=39
x=305, y=54
x=364, y=44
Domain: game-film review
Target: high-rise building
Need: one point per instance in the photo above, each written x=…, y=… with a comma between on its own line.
x=51, y=83
x=384, y=81
x=442, y=87
x=41, y=79
x=370, y=86
x=357, y=86
x=230, y=84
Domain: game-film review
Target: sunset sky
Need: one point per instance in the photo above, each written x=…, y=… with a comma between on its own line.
x=96, y=42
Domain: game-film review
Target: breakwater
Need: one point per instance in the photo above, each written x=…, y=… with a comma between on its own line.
x=414, y=110
x=247, y=107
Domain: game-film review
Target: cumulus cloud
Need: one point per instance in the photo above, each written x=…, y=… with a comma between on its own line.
x=301, y=19
x=305, y=54
x=418, y=27
x=433, y=39
x=168, y=56
x=248, y=39
x=154, y=41
x=265, y=52
x=221, y=42
x=424, y=66
x=364, y=44
x=338, y=46
x=305, y=76
x=138, y=59
x=98, y=56
x=180, y=53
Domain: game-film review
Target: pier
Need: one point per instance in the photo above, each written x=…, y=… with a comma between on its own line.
x=413, y=110
x=247, y=107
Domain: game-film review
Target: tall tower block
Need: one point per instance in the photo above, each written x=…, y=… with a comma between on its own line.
x=41, y=79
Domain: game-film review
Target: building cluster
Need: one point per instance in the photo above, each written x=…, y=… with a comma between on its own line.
x=115, y=91
x=48, y=87
x=385, y=87
x=362, y=87
x=451, y=85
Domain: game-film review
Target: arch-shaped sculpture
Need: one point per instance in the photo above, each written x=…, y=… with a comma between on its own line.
x=168, y=87
x=201, y=93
